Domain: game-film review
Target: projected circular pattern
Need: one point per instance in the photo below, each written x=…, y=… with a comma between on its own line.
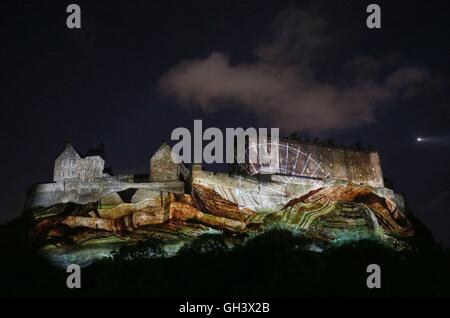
x=293, y=163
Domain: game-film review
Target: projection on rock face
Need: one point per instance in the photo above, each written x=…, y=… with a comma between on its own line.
x=327, y=192
x=293, y=166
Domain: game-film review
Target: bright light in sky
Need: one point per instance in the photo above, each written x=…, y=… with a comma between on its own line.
x=440, y=140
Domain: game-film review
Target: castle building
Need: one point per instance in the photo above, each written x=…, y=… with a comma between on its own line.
x=70, y=165
x=321, y=162
x=82, y=179
x=302, y=166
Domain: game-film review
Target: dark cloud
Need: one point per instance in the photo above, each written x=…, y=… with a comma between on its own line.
x=296, y=36
x=282, y=86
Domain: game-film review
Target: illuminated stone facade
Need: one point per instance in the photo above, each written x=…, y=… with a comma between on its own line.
x=162, y=167
x=70, y=165
x=323, y=162
x=302, y=167
x=83, y=180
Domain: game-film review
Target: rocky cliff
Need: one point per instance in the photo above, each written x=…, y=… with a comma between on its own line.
x=82, y=233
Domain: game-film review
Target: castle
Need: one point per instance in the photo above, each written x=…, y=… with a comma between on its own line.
x=303, y=166
x=70, y=165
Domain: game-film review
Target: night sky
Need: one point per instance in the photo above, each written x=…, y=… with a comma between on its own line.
x=138, y=69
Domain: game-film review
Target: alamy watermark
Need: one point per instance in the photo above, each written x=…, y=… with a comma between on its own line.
x=73, y=20
x=74, y=279
x=374, y=279
x=373, y=20
x=240, y=146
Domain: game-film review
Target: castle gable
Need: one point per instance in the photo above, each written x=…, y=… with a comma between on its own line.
x=162, y=167
x=68, y=153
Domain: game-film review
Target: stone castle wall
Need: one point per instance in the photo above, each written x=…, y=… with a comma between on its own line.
x=47, y=194
x=311, y=160
x=81, y=180
x=302, y=167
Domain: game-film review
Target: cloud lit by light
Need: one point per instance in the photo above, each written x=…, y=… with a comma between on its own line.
x=284, y=86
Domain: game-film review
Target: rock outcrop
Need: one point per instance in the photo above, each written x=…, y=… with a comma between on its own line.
x=327, y=213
